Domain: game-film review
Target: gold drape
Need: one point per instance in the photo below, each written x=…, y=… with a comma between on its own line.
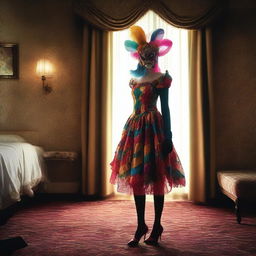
x=120, y=14
x=101, y=16
x=202, y=145
x=96, y=112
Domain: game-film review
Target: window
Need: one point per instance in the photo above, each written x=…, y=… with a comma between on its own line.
x=176, y=62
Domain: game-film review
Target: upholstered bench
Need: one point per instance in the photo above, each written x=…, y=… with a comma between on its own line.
x=238, y=185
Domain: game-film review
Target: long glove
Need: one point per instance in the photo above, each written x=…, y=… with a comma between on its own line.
x=167, y=145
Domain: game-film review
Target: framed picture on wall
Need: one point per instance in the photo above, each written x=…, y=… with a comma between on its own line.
x=8, y=60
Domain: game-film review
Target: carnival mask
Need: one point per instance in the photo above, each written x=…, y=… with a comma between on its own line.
x=147, y=53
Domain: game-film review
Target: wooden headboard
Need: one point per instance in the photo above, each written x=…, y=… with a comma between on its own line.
x=30, y=136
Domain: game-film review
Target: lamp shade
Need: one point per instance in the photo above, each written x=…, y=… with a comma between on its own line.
x=44, y=68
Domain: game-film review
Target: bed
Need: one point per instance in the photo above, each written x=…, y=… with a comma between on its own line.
x=21, y=169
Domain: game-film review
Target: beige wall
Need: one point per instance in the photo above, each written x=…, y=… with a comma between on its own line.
x=43, y=28
x=235, y=86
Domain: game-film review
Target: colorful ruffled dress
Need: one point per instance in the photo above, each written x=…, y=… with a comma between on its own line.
x=139, y=165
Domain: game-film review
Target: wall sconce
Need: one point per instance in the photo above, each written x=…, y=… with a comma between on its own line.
x=45, y=69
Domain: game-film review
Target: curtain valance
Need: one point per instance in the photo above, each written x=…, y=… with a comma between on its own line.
x=112, y=15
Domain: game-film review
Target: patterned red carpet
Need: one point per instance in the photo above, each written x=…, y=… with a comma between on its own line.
x=104, y=228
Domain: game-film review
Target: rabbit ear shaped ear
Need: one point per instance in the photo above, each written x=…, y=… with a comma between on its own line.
x=130, y=46
x=158, y=34
x=164, y=46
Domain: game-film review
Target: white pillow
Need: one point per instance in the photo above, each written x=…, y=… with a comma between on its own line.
x=11, y=138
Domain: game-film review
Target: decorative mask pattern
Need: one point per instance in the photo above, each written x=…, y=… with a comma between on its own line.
x=148, y=55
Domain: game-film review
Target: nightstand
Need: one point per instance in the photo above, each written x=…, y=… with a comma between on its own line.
x=63, y=172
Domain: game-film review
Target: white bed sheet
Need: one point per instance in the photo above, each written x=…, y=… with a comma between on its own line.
x=21, y=169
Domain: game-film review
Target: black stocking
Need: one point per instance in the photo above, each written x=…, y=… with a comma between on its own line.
x=158, y=205
x=140, y=209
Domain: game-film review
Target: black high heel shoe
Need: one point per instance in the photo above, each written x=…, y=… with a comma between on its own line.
x=138, y=235
x=154, y=236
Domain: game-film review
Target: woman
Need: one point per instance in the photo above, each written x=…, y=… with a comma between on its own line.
x=145, y=160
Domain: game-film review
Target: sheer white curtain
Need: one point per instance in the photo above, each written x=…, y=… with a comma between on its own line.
x=176, y=62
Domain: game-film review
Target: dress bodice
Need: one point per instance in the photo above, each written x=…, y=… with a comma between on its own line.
x=144, y=98
x=145, y=94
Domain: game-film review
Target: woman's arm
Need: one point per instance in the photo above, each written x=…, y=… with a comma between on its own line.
x=167, y=146
x=165, y=112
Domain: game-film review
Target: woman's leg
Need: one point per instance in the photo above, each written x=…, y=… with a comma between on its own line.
x=140, y=209
x=158, y=206
x=157, y=228
x=140, y=202
x=142, y=229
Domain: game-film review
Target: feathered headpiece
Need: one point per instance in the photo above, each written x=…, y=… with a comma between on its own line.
x=147, y=53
